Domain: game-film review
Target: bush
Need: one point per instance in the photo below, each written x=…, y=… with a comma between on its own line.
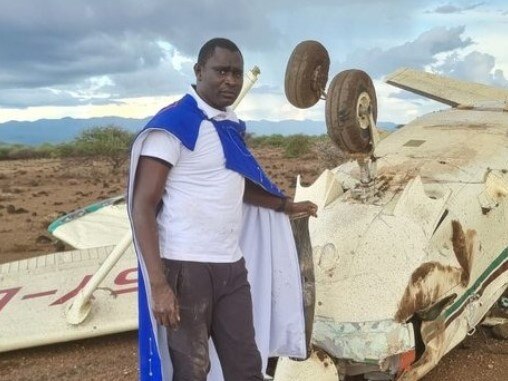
x=276, y=141
x=110, y=142
x=22, y=152
x=4, y=152
x=297, y=145
x=46, y=151
x=66, y=150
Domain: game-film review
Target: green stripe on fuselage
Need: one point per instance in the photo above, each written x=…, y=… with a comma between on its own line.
x=470, y=291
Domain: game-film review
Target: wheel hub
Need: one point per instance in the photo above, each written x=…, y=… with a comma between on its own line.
x=363, y=110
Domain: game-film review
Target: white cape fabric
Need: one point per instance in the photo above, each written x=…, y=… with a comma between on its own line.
x=274, y=275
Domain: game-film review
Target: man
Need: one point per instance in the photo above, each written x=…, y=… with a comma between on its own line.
x=192, y=175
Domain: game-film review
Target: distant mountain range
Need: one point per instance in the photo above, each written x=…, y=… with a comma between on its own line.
x=56, y=131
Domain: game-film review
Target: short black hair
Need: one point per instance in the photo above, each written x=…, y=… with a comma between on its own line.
x=208, y=48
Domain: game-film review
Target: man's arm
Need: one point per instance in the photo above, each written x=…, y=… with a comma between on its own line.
x=149, y=185
x=256, y=195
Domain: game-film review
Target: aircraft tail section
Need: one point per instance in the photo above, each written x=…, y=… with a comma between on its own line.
x=443, y=89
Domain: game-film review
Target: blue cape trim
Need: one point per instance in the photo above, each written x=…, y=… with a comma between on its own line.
x=183, y=119
x=149, y=359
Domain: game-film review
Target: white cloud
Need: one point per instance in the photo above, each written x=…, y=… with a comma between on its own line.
x=476, y=67
x=394, y=105
x=417, y=53
x=128, y=108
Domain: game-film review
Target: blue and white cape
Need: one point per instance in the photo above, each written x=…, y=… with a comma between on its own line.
x=266, y=242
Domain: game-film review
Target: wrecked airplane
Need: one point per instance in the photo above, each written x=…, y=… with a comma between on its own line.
x=410, y=247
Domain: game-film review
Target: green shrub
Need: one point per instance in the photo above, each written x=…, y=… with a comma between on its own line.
x=276, y=140
x=46, y=150
x=273, y=141
x=20, y=152
x=110, y=142
x=23, y=152
x=297, y=145
x=4, y=152
x=66, y=150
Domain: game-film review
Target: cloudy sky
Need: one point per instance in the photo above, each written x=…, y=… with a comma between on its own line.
x=86, y=58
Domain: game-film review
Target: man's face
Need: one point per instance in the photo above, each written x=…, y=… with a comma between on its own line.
x=220, y=79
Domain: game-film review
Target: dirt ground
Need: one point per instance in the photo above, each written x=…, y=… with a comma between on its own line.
x=35, y=192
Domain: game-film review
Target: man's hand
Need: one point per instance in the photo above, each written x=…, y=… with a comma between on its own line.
x=300, y=209
x=256, y=195
x=165, y=306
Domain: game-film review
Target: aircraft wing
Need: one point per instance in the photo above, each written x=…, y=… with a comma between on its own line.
x=443, y=89
x=40, y=289
x=101, y=224
x=35, y=294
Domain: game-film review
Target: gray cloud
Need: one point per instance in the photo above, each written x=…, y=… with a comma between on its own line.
x=450, y=8
x=65, y=46
x=153, y=81
x=66, y=42
x=67, y=63
x=21, y=98
x=417, y=53
x=161, y=80
x=60, y=42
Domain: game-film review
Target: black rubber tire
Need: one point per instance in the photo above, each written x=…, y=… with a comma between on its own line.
x=302, y=90
x=341, y=114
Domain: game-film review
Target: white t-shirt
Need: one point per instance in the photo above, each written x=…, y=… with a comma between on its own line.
x=200, y=219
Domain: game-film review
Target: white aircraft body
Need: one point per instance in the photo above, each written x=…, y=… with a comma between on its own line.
x=410, y=247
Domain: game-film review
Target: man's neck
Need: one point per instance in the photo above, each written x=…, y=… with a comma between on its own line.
x=204, y=100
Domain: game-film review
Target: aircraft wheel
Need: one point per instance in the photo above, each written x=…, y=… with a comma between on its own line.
x=350, y=99
x=306, y=74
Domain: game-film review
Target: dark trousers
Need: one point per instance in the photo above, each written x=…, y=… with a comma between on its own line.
x=215, y=302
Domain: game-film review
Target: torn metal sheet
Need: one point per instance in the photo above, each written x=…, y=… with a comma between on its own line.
x=363, y=341
x=300, y=227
